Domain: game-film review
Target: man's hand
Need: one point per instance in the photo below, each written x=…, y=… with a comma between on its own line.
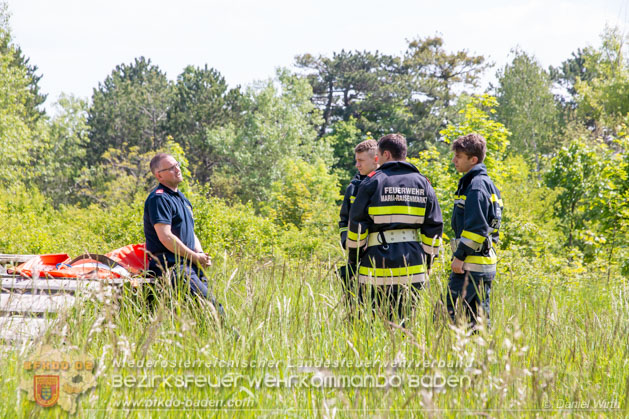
x=203, y=259
x=457, y=266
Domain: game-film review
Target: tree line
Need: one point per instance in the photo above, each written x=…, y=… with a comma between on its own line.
x=285, y=145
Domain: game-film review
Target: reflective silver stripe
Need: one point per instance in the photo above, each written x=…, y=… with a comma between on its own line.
x=393, y=236
x=473, y=267
x=471, y=243
x=354, y=244
x=430, y=250
x=454, y=244
x=392, y=280
x=459, y=202
x=389, y=219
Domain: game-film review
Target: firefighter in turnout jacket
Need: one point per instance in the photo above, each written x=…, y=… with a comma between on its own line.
x=476, y=223
x=366, y=162
x=395, y=228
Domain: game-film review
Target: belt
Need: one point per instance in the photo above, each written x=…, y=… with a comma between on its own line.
x=392, y=236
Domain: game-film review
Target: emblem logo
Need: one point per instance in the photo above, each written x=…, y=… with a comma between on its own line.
x=46, y=390
x=55, y=378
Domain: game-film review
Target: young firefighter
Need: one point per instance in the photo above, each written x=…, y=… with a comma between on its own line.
x=475, y=221
x=366, y=162
x=395, y=228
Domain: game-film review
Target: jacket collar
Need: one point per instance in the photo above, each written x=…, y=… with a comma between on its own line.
x=167, y=189
x=357, y=178
x=479, y=169
x=398, y=165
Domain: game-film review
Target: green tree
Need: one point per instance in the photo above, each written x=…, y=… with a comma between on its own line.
x=436, y=164
x=574, y=170
x=411, y=94
x=129, y=109
x=527, y=107
x=603, y=98
x=609, y=199
x=569, y=73
x=305, y=196
x=341, y=83
x=201, y=101
x=435, y=79
x=343, y=138
x=16, y=122
x=476, y=116
x=123, y=175
x=280, y=124
x=18, y=60
x=62, y=150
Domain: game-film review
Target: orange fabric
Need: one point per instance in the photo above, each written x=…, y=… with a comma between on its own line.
x=40, y=265
x=131, y=257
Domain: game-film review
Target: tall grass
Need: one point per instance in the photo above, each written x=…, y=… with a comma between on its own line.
x=552, y=343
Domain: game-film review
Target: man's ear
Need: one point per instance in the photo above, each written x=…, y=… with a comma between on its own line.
x=475, y=160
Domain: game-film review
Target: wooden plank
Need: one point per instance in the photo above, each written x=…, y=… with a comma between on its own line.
x=27, y=303
x=109, y=281
x=7, y=258
x=49, y=285
x=17, y=328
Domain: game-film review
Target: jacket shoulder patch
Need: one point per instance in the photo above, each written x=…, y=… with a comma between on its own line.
x=371, y=174
x=159, y=191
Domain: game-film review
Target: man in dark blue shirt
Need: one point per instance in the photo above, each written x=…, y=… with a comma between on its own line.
x=169, y=229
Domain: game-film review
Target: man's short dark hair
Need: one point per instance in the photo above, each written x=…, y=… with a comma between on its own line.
x=394, y=144
x=471, y=144
x=155, y=161
x=367, y=145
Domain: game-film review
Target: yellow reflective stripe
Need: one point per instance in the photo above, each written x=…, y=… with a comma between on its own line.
x=397, y=210
x=354, y=236
x=494, y=198
x=352, y=199
x=430, y=241
x=482, y=260
x=462, y=197
x=473, y=236
x=404, y=271
x=342, y=229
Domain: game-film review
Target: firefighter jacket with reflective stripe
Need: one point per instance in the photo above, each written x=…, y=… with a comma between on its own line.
x=476, y=220
x=394, y=197
x=348, y=200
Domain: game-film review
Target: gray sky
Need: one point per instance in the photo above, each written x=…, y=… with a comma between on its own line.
x=77, y=43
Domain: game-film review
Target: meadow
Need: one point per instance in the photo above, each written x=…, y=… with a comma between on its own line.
x=288, y=346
